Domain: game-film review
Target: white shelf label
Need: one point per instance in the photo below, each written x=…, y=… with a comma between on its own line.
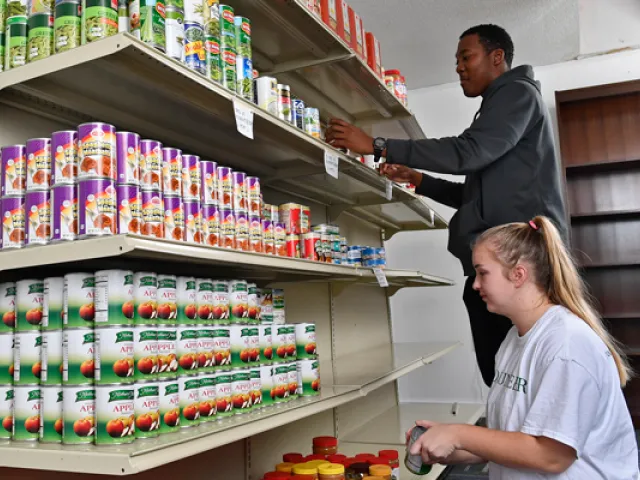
x=389, y=189
x=381, y=277
x=331, y=163
x=244, y=119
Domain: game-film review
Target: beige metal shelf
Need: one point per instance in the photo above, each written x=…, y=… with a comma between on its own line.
x=123, y=81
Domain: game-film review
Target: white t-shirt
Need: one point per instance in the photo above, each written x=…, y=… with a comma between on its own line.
x=560, y=381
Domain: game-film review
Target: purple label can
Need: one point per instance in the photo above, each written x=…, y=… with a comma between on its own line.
x=64, y=152
x=152, y=214
x=38, y=153
x=97, y=207
x=225, y=188
x=64, y=212
x=128, y=158
x=208, y=173
x=253, y=195
x=150, y=165
x=129, y=208
x=191, y=177
x=97, y=150
x=13, y=222
x=267, y=237
x=239, y=191
x=210, y=225
x=227, y=228
x=38, y=218
x=242, y=223
x=14, y=170
x=192, y=221
x=173, y=219
x=171, y=172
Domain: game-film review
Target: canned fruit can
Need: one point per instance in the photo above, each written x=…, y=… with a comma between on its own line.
x=167, y=350
x=210, y=224
x=128, y=158
x=187, y=349
x=145, y=352
x=256, y=388
x=38, y=155
x=225, y=188
x=166, y=297
x=169, y=400
x=239, y=195
x=16, y=41
x=152, y=23
x=29, y=305
x=64, y=146
x=266, y=385
x=64, y=213
x=79, y=298
x=40, y=36
x=194, y=52
x=147, y=410
x=221, y=310
x=97, y=149
x=152, y=214
x=280, y=336
x=191, y=177
x=193, y=225
x=150, y=165
x=255, y=243
x=38, y=213
x=189, y=394
x=51, y=414
x=123, y=16
x=6, y=411
x=53, y=305
x=145, y=297
x=173, y=219
x=265, y=341
x=212, y=49
x=293, y=381
x=134, y=18
x=115, y=414
x=265, y=300
x=174, y=33
x=97, y=207
x=238, y=301
x=114, y=354
x=252, y=303
x=241, y=352
x=227, y=237
x=228, y=62
x=305, y=340
x=207, y=397
x=78, y=414
x=280, y=240
x=78, y=349
x=114, y=297
x=205, y=351
x=254, y=195
x=241, y=391
x=254, y=345
x=26, y=413
x=51, y=358
x=293, y=246
x=242, y=232
x=99, y=20
x=224, y=401
x=312, y=122
x=222, y=348
x=186, y=295
x=308, y=377
x=129, y=209
x=204, y=300
x=311, y=246
x=171, y=171
x=278, y=306
x=14, y=170
x=291, y=342
x=280, y=380
x=27, y=366
x=209, y=182
x=7, y=308
x=66, y=26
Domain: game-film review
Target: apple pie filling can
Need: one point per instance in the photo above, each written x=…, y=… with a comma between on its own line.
x=78, y=350
x=113, y=297
x=26, y=413
x=78, y=414
x=147, y=409
x=113, y=357
x=115, y=417
x=169, y=400
x=79, y=300
x=51, y=414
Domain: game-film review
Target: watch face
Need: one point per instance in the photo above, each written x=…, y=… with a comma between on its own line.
x=380, y=143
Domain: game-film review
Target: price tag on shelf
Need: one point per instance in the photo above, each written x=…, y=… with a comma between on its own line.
x=244, y=119
x=389, y=189
x=331, y=163
x=381, y=277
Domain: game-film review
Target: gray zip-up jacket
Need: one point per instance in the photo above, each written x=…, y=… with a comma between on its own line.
x=508, y=157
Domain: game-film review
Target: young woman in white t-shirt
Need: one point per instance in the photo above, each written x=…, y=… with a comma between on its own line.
x=555, y=409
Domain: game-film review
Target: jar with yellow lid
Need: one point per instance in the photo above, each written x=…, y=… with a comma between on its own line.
x=383, y=471
x=285, y=467
x=305, y=469
x=331, y=471
x=317, y=463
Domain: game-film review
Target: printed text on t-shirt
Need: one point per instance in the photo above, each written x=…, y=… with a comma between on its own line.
x=507, y=380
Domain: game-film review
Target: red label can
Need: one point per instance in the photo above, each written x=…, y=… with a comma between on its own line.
x=129, y=208
x=293, y=246
x=310, y=245
x=291, y=216
x=305, y=219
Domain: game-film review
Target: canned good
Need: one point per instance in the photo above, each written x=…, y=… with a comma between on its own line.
x=7, y=307
x=207, y=397
x=193, y=221
x=191, y=177
x=51, y=414
x=7, y=368
x=171, y=171
x=174, y=33
x=134, y=18
x=115, y=414
x=238, y=301
x=150, y=165
x=78, y=367
x=173, y=219
x=210, y=224
x=64, y=144
x=221, y=310
x=255, y=391
x=97, y=207
x=152, y=213
x=254, y=345
x=312, y=122
x=354, y=255
x=16, y=42
x=38, y=156
x=239, y=200
x=242, y=242
x=38, y=212
x=13, y=222
x=51, y=358
x=29, y=298
x=114, y=355
x=298, y=111
x=267, y=94
x=241, y=352
x=66, y=26
x=128, y=158
x=211, y=15
x=205, y=352
x=241, y=391
x=227, y=229
x=152, y=23
x=166, y=296
x=169, y=399
x=114, y=297
x=265, y=341
x=145, y=352
x=293, y=246
x=212, y=48
x=193, y=11
x=167, y=351
x=186, y=300
x=194, y=53
x=280, y=379
x=308, y=377
x=27, y=366
x=291, y=216
x=26, y=413
x=265, y=300
x=256, y=244
x=224, y=401
x=123, y=16
x=78, y=304
x=279, y=236
x=40, y=36
x=209, y=180
x=252, y=189
x=187, y=349
x=6, y=411
x=280, y=339
x=311, y=246
x=64, y=213
x=284, y=103
x=147, y=410
x=99, y=20
x=225, y=188
x=305, y=340
x=129, y=208
x=278, y=308
x=228, y=61
x=189, y=387
x=204, y=300
x=242, y=224
x=252, y=303
x=78, y=414
x=293, y=381
x=267, y=386
x=14, y=170
x=145, y=297
x=291, y=342
x=305, y=219
x=222, y=348
x=96, y=143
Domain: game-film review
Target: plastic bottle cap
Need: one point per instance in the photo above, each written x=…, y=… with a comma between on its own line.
x=316, y=463
x=274, y=475
x=337, y=458
x=392, y=72
x=380, y=470
x=305, y=469
x=284, y=467
x=314, y=456
x=325, y=442
x=350, y=461
x=390, y=454
x=330, y=469
x=365, y=456
x=293, y=457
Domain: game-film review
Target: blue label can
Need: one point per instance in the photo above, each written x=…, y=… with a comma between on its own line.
x=298, y=113
x=194, y=51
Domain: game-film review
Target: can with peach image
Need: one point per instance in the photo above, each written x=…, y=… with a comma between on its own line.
x=29, y=298
x=209, y=177
x=147, y=409
x=114, y=414
x=128, y=158
x=79, y=300
x=174, y=219
x=113, y=297
x=97, y=151
x=129, y=209
x=150, y=165
x=189, y=395
x=169, y=399
x=26, y=413
x=78, y=414
x=13, y=170
x=13, y=222
x=64, y=153
x=38, y=217
x=97, y=207
x=193, y=221
x=38, y=155
x=78, y=350
x=64, y=212
x=207, y=397
x=114, y=355
x=191, y=177
x=171, y=172
x=152, y=214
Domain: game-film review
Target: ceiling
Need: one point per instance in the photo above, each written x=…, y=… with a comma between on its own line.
x=420, y=37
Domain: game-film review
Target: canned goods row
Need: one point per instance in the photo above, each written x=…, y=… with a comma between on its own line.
x=370, y=257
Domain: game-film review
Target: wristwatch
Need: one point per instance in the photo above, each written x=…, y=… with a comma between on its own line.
x=379, y=145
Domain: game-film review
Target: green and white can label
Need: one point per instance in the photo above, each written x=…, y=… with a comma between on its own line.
x=114, y=297
x=51, y=358
x=280, y=383
x=51, y=414
x=205, y=353
x=167, y=300
x=78, y=413
x=78, y=349
x=167, y=350
x=278, y=306
x=187, y=349
x=252, y=304
x=267, y=386
x=169, y=397
x=280, y=335
x=240, y=350
x=305, y=340
x=99, y=20
x=174, y=30
x=27, y=367
x=204, y=300
x=26, y=413
x=308, y=377
x=6, y=411
x=186, y=298
x=53, y=310
x=256, y=388
x=254, y=345
x=147, y=409
x=66, y=26
x=145, y=296
x=29, y=305
x=40, y=36
x=293, y=381
x=145, y=352
x=7, y=368
x=241, y=391
x=220, y=302
x=16, y=41
x=222, y=348
x=224, y=401
x=189, y=388
x=7, y=305
x=207, y=397
x=265, y=301
x=152, y=23
x=115, y=418
x=266, y=344
x=79, y=293
x=114, y=355
x=239, y=301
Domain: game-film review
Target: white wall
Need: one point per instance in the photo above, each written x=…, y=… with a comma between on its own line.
x=431, y=314
x=608, y=25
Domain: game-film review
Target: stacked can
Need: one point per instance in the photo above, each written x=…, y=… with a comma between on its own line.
x=227, y=237
x=270, y=218
x=151, y=194
x=228, y=50
x=171, y=185
x=64, y=186
x=209, y=203
x=99, y=20
x=15, y=36
x=207, y=334
x=212, y=40
x=244, y=62
x=174, y=29
x=295, y=219
x=114, y=357
x=194, y=37
x=66, y=26
x=191, y=183
x=37, y=198
x=13, y=185
x=78, y=364
x=129, y=200
x=266, y=94
x=152, y=23
x=240, y=202
x=7, y=368
x=297, y=110
x=307, y=360
x=187, y=351
x=255, y=220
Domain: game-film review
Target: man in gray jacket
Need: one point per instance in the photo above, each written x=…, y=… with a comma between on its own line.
x=507, y=155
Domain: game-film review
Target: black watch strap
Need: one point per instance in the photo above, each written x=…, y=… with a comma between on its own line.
x=379, y=146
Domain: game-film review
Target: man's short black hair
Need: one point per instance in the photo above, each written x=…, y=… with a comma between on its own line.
x=492, y=38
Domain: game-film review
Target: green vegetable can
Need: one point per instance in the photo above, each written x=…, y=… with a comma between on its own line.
x=16, y=42
x=227, y=22
x=66, y=26
x=99, y=20
x=16, y=8
x=123, y=16
x=3, y=18
x=40, y=38
x=174, y=32
x=211, y=17
x=228, y=63
x=152, y=23
x=214, y=67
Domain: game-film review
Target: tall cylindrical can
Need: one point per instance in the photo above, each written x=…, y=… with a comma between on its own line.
x=284, y=103
x=114, y=303
x=64, y=152
x=38, y=213
x=145, y=297
x=227, y=229
x=220, y=302
x=169, y=399
x=225, y=188
x=145, y=352
x=174, y=33
x=115, y=414
x=186, y=294
x=114, y=355
x=129, y=209
x=97, y=207
x=174, y=219
x=7, y=308
x=204, y=300
x=147, y=409
x=152, y=214
x=27, y=366
x=150, y=165
x=267, y=94
x=64, y=212
x=51, y=414
x=193, y=221
x=253, y=195
x=224, y=394
x=191, y=177
x=26, y=413
x=78, y=413
x=14, y=170
x=209, y=177
x=312, y=122
x=207, y=397
x=79, y=300
x=171, y=172
x=298, y=110
x=38, y=152
x=210, y=224
x=239, y=200
x=222, y=347
x=128, y=158
x=189, y=400
x=194, y=42
x=78, y=364
x=51, y=358
x=29, y=298
x=97, y=150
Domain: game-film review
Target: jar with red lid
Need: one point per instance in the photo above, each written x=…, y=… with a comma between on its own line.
x=365, y=457
x=275, y=475
x=394, y=461
x=325, y=445
x=293, y=457
x=337, y=458
x=315, y=456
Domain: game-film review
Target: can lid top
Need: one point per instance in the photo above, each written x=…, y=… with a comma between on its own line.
x=16, y=19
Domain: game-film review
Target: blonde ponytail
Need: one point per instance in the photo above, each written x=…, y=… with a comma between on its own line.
x=539, y=243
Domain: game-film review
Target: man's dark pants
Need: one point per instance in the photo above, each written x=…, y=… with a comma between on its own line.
x=488, y=330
